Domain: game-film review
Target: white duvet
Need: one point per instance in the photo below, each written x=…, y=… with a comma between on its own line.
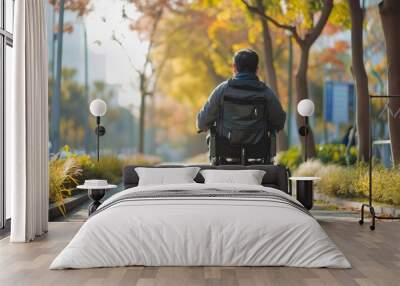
x=200, y=231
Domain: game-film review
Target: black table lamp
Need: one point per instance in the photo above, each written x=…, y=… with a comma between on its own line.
x=98, y=108
x=306, y=109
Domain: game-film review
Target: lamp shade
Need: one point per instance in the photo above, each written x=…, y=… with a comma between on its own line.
x=305, y=107
x=98, y=107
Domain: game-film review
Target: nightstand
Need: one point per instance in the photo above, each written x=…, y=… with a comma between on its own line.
x=96, y=191
x=304, y=190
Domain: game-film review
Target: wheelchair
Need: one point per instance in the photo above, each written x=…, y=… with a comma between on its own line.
x=241, y=135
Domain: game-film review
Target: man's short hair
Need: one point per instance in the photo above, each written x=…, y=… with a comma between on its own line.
x=246, y=60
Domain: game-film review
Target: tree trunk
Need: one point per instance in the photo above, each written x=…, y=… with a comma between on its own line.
x=390, y=16
x=85, y=122
x=301, y=75
x=302, y=93
x=290, y=93
x=361, y=79
x=141, y=121
x=56, y=98
x=268, y=54
x=270, y=70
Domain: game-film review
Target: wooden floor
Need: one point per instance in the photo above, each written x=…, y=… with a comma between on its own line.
x=375, y=257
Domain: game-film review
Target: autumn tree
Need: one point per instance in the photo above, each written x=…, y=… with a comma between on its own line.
x=147, y=24
x=270, y=71
x=198, y=60
x=147, y=76
x=199, y=52
x=390, y=18
x=200, y=44
x=298, y=17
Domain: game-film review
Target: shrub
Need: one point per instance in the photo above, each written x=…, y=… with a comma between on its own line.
x=353, y=182
x=63, y=178
x=385, y=184
x=290, y=158
x=68, y=169
x=142, y=159
x=326, y=153
x=344, y=177
x=108, y=168
x=308, y=169
x=336, y=153
x=336, y=181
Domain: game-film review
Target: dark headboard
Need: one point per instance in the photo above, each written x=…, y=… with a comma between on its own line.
x=276, y=176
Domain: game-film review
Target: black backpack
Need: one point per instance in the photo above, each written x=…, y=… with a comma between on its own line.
x=242, y=118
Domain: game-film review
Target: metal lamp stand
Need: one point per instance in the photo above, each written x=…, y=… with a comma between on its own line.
x=369, y=205
x=303, y=131
x=100, y=131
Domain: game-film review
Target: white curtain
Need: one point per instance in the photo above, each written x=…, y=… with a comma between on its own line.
x=27, y=124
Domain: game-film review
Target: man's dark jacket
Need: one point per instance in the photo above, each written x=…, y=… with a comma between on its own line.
x=249, y=81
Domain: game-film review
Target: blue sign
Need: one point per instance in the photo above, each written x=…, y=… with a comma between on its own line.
x=339, y=101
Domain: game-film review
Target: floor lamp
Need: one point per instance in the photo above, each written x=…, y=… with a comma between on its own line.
x=369, y=205
x=98, y=108
x=306, y=109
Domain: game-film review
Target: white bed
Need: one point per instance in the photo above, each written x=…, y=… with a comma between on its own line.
x=206, y=230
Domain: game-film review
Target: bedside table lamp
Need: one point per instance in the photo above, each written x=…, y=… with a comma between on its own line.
x=98, y=108
x=306, y=109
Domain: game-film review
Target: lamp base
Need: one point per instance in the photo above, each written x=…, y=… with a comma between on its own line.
x=373, y=216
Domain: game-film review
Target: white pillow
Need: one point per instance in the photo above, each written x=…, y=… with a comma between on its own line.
x=248, y=177
x=165, y=176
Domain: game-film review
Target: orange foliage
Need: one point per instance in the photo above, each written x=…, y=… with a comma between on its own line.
x=150, y=12
x=68, y=28
x=81, y=7
x=332, y=55
x=331, y=29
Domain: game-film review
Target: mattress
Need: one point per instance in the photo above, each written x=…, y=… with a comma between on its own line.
x=201, y=225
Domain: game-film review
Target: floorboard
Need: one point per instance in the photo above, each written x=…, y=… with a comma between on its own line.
x=375, y=257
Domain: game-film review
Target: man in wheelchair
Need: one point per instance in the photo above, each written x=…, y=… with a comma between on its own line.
x=242, y=116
